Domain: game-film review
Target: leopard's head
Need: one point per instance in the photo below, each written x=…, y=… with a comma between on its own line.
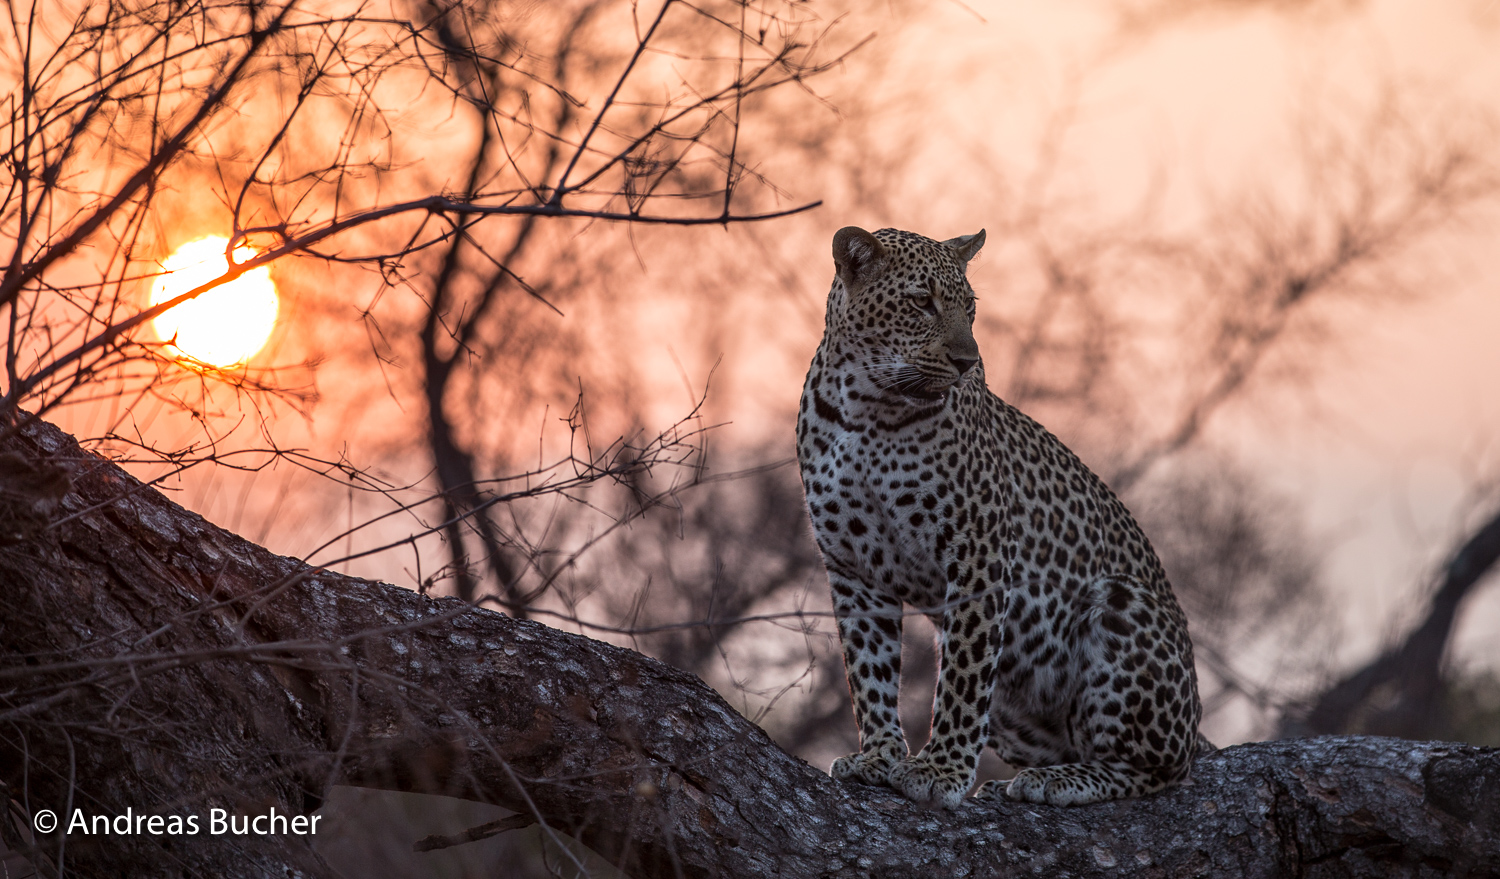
x=902, y=307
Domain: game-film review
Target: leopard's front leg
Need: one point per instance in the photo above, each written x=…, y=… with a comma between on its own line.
x=870, y=629
x=944, y=770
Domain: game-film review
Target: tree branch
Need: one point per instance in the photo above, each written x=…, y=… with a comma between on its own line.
x=158, y=679
x=20, y=273
x=1414, y=668
x=435, y=204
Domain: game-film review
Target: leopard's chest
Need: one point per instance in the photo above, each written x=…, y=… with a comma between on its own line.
x=896, y=506
x=881, y=503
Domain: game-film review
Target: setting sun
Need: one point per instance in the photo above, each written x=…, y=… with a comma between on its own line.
x=226, y=325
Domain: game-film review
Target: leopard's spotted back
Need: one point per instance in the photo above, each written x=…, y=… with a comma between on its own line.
x=1062, y=645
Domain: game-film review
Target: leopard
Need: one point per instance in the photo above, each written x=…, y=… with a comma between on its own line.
x=1059, y=641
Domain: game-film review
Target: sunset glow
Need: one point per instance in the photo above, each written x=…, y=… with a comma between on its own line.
x=229, y=323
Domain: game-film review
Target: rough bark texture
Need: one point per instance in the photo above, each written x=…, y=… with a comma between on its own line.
x=152, y=661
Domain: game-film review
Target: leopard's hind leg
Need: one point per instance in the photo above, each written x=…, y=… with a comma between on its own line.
x=1132, y=727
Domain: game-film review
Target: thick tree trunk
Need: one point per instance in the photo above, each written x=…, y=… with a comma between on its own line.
x=156, y=663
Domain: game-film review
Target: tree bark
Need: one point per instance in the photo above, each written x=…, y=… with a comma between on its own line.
x=156, y=663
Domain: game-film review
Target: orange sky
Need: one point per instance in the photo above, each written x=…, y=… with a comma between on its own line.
x=1379, y=445
x=1406, y=409
x=1400, y=413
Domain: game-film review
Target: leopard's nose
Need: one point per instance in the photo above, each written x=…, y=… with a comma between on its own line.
x=962, y=362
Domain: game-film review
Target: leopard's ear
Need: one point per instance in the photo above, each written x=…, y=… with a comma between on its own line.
x=967, y=246
x=858, y=255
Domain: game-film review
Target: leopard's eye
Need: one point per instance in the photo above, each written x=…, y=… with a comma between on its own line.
x=925, y=301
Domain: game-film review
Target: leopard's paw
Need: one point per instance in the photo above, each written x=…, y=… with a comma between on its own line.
x=1071, y=784
x=871, y=767
x=927, y=780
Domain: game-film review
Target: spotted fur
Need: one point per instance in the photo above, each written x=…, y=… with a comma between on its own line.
x=1061, y=644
